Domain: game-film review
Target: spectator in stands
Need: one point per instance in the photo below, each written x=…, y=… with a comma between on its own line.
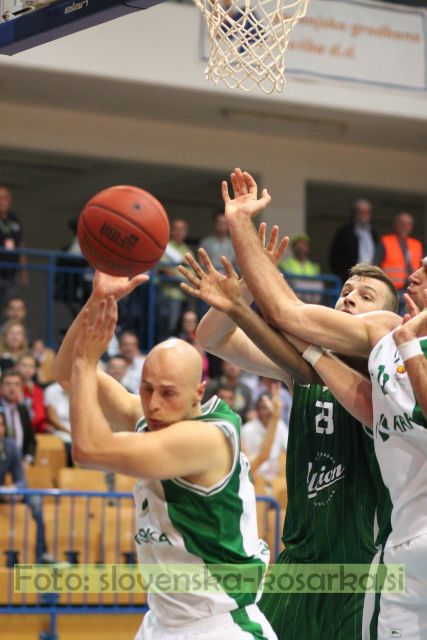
x=187, y=327
x=354, y=242
x=266, y=387
x=116, y=367
x=11, y=463
x=57, y=405
x=33, y=394
x=18, y=421
x=129, y=348
x=44, y=357
x=299, y=264
x=398, y=254
x=13, y=344
x=226, y=393
x=266, y=433
x=11, y=238
x=219, y=243
x=230, y=378
x=16, y=309
x=174, y=301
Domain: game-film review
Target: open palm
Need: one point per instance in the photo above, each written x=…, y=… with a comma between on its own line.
x=105, y=285
x=245, y=190
x=216, y=289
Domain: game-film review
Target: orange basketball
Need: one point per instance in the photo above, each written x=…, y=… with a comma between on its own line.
x=123, y=231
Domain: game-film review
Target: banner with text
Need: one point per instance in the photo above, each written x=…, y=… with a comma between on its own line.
x=359, y=41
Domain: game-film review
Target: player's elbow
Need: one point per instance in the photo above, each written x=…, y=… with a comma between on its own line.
x=84, y=455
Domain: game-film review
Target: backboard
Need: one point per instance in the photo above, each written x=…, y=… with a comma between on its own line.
x=28, y=23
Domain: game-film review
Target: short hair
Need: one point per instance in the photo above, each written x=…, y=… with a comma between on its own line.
x=11, y=373
x=128, y=332
x=14, y=297
x=364, y=270
x=117, y=356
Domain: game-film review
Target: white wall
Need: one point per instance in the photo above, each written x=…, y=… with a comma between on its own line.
x=285, y=164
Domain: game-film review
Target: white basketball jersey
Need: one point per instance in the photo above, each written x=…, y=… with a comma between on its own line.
x=181, y=523
x=400, y=431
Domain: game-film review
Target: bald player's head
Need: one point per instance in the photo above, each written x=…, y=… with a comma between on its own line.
x=171, y=385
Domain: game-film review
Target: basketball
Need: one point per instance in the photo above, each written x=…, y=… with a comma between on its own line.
x=123, y=231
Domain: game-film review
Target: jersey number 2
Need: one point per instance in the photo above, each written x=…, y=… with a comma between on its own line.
x=325, y=419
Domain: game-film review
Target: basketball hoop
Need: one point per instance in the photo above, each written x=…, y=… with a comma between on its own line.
x=248, y=40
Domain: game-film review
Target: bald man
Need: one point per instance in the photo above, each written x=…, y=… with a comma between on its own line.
x=194, y=499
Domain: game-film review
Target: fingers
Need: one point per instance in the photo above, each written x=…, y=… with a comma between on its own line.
x=265, y=198
x=189, y=290
x=274, y=234
x=138, y=280
x=251, y=185
x=411, y=307
x=228, y=267
x=225, y=192
x=261, y=233
x=189, y=275
x=191, y=260
x=283, y=245
x=206, y=261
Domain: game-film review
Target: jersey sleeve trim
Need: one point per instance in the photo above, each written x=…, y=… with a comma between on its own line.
x=229, y=431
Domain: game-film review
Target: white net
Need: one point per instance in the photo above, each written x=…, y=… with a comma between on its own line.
x=248, y=40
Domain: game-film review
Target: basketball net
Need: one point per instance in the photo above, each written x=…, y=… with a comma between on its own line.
x=248, y=40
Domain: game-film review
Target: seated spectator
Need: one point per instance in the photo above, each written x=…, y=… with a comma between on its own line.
x=11, y=463
x=354, y=242
x=16, y=309
x=242, y=402
x=219, y=243
x=116, y=367
x=299, y=264
x=44, y=357
x=129, y=348
x=187, y=331
x=399, y=254
x=33, y=394
x=13, y=344
x=18, y=421
x=174, y=301
x=57, y=405
x=226, y=393
x=11, y=238
x=266, y=386
x=266, y=436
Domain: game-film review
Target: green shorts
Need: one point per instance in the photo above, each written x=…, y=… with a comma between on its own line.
x=313, y=616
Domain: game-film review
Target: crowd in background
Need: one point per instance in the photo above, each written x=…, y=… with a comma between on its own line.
x=31, y=402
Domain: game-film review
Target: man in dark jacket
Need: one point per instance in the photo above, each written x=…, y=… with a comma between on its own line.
x=18, y=421
x=354, y=242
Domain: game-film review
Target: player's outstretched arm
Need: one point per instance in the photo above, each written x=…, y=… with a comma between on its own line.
x=414, y=353
x=343, y=333
x=121, y=408
x=181, y=449
x=233, y=331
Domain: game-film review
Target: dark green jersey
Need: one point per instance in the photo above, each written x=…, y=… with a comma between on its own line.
x=337, y=500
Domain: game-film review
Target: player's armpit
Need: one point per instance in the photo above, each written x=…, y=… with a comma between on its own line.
x=185, y=449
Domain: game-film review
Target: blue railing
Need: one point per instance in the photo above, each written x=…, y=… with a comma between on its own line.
x=90, y=527
x=60, y=283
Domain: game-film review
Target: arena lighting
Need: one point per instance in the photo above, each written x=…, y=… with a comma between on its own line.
x=269, y=122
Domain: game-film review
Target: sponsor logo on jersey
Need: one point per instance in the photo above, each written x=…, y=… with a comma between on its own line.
x=144, y=508
x=322, y=475
x=401, y=424
x=395, y=633
x=149, y=536
x=400, y=369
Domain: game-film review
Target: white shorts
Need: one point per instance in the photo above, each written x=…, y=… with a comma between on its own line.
x=251, y=624
x=403, y=615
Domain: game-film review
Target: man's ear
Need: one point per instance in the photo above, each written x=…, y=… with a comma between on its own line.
x=200, y=391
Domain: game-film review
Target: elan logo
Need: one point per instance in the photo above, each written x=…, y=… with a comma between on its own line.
x=76, y=6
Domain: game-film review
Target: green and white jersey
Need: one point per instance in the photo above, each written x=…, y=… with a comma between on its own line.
x=338, y=507
x=400, y=440
x=178, y=522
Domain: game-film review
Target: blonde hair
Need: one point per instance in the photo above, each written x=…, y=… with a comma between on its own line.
x=4, y=333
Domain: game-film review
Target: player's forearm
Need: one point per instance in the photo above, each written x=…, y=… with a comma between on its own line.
x=272, y=344
x=268, y=287
x=64, y=358
x=216, y=327
x=90, y=432
x=417, y=373
x=352, y=390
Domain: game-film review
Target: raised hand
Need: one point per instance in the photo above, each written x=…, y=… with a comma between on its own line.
x=105, y=285
x=245, y=191
x=273, y=250
x=414, y=323
x=220, y=291
x=93, y=339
